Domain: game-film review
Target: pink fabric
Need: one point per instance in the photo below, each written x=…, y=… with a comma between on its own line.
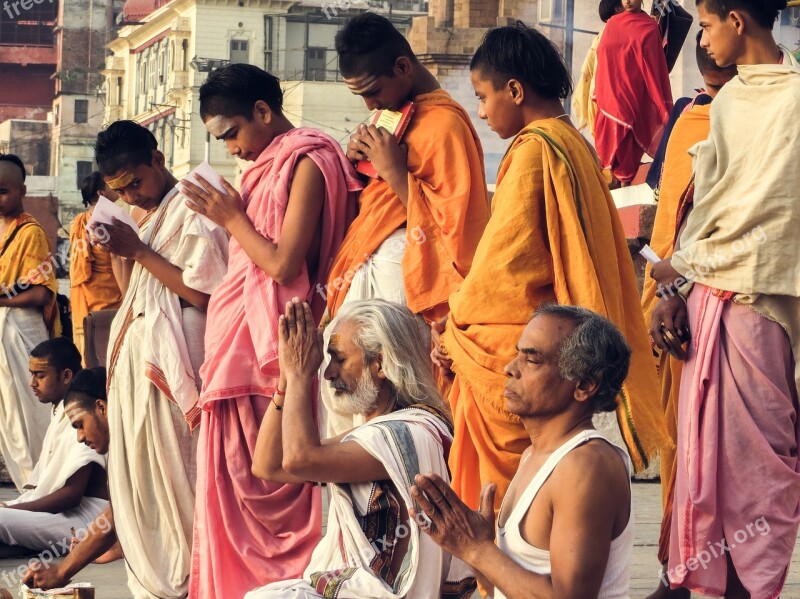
x=247, y=532
x=737, y=486
x=241, y=335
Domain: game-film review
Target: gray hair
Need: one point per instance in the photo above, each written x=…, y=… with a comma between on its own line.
x=594, y=352
x=392, y=332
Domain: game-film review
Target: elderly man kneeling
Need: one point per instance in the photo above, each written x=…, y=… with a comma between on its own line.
x=379, y=369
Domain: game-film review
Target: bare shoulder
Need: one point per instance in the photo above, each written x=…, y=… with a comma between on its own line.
x=595, y=468
x=306, y=168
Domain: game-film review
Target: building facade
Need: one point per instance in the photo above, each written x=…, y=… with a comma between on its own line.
x=158, y=63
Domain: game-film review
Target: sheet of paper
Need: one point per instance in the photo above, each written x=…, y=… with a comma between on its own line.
x=207, y=172
x=649, y=254
x=105, y=211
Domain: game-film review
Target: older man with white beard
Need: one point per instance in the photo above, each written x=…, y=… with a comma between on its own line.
x=380, y=369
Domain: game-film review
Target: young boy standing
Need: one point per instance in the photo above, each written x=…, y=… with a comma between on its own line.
x=155, y=353
x=737, y=481
x=554, y=235
x=28, y=315
x=285, y=229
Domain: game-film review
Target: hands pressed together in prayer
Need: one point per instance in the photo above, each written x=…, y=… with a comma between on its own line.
x=299, y=341
x=221, y=208
x=459, y=530
x=669, y=326
x=382, y=149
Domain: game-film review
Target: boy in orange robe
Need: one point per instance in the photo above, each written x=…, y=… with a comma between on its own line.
x=554, y=235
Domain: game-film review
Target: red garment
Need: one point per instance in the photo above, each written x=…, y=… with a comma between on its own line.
x=632, y=91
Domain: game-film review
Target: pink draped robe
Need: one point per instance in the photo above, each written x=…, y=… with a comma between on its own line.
x=249, y=532
x=737, y=488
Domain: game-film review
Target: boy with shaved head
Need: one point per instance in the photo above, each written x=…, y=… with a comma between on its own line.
x=28, y=315
x=419, y=223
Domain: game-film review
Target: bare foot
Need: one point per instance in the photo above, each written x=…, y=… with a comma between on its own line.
x=4, y=594
x=111, y=555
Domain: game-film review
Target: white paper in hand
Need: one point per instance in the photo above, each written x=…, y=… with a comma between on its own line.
x=105, y=211
x=205, y=170
x=649, y=254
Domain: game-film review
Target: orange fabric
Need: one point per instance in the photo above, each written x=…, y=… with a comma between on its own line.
x=544, y=242
x=447, y=209
x=92, y=283
x=692, y=127
x=29, y=261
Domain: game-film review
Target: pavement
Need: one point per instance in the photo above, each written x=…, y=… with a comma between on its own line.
x=109, y=579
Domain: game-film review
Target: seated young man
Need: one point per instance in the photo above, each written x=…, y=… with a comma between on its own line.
x=28, y=315
x=86, y=407
x=285, y=230
x=380, y=370
x=565, y=528
x=69, y=482
x=155, y=352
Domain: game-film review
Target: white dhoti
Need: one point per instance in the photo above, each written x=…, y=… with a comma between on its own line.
x=23, y=420
x=152, y=469
x=43, y=531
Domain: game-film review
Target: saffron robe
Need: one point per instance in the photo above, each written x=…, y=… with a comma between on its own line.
x=632, y=91
x=91, y=279
x=446, y=214
x=26, y=261
x=155, y=353
x=554, y=235
x=249, y=532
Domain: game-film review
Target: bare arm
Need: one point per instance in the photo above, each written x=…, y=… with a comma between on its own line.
x=303, y=457
x=100, y=538
x=34, y=296
x=282, y=261
x=64, y=499
x=121, y=268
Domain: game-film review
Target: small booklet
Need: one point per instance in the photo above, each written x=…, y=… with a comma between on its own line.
x=105, y=211
x=396, y=123
x=207, y=172
x=67, y=591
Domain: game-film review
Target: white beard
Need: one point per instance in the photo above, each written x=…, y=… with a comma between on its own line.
x=362, y=401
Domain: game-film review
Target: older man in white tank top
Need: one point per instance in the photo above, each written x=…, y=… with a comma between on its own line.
x=565, y=528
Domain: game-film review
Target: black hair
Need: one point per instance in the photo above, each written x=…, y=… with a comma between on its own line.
x=522, y=53
x=233, y=91
x=88, y=386
x=369, y=44
x=123, y=144
x=764, y=12
x=705, y=63
x=16, y=160
x=60, y=353
x=608, y=8
x=91, y=186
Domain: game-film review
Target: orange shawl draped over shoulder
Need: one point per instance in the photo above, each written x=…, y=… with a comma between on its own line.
x=554, y=234
x=28, y=260
x=92, y=283
x=446, y=214
x=692, y=127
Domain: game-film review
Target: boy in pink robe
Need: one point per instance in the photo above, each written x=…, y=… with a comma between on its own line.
x=285, y=230
x=736, y=506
